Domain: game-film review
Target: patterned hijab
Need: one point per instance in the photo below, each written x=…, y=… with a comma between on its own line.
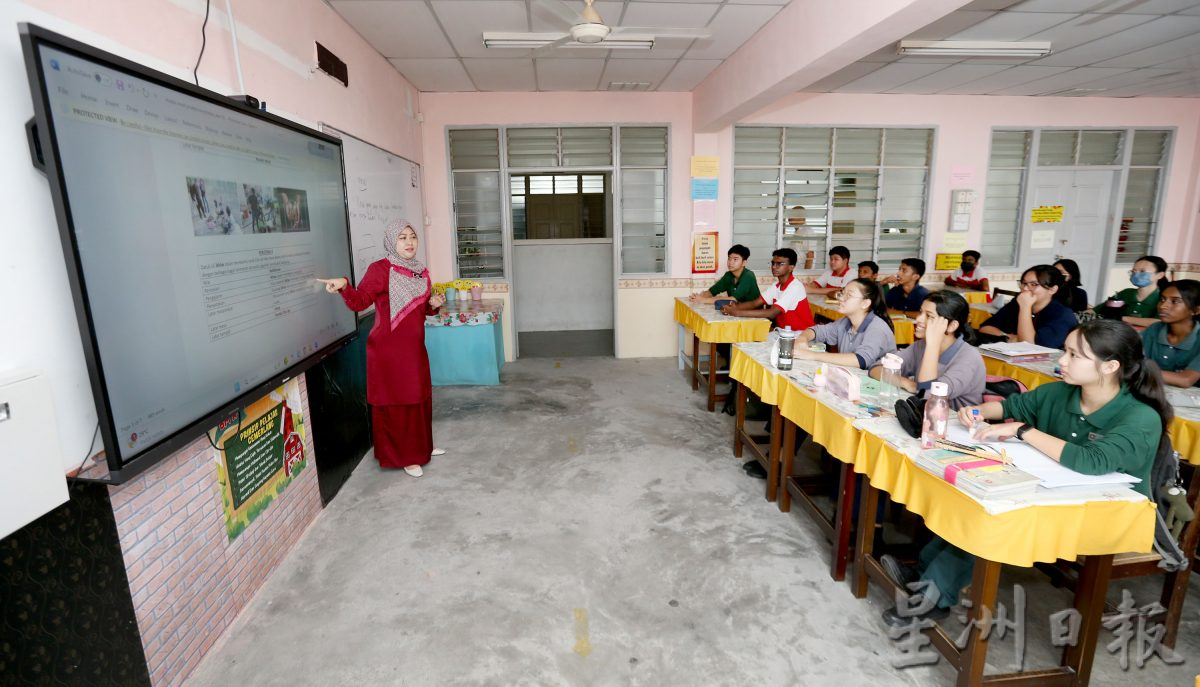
x=408, y=280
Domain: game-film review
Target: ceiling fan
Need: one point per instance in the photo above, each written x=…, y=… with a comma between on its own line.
x=585, y=29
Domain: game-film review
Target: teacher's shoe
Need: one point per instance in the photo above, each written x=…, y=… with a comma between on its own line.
x=414, y=470
x=438, y=452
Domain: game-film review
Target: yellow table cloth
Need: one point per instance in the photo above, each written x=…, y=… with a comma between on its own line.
x=1184, y=432
x=978, y=316
x=904, y=327
x=1016, y=537
x=713, y=327
x=749, y=367
x=829, y=428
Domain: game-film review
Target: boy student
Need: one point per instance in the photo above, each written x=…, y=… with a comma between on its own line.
x=739, y=282
x=969, y=275
x=907, y=294
x=868, y=269
x=785, y=301
x=838, y=274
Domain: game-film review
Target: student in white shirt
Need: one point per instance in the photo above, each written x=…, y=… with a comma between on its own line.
x=785, y=301
x=970, y=275
x=838, y=275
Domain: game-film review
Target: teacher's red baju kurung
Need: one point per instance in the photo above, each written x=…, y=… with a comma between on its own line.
x=398, y=384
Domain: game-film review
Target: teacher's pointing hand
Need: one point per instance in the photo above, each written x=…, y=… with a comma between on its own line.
x=334, y=285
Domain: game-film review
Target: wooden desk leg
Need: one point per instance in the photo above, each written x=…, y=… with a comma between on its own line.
x=773, y=454
x=985, y=583
x=739, y=423
x=842, y=519
x=712, y=377
x=695, y=362
x=1090, y=590
x=787, y=450
x=866, y=538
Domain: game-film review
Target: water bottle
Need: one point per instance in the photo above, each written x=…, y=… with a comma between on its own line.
x=787, y=345
x=889, y=387
x=937, y=414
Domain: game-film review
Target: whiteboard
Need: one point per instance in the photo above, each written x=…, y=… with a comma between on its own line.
x=381, y=187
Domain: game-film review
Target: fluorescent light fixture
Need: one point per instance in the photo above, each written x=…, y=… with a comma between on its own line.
x=975, y=48
x=493, y=39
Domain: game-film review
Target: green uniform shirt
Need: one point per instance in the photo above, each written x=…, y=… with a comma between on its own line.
x=1136, y=308
x=743, y=290
x=1184, y=355
x=1122, y=436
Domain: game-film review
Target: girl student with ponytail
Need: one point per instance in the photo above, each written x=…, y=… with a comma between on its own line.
x=1108, y=414
x=943, y=352
x=1173, y=343
x=863, y=336
x=1148, y=276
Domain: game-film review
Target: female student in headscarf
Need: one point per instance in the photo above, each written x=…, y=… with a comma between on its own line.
x=398, y=383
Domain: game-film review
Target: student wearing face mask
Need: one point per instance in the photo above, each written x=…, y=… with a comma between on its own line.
x=969, y=275
x=1174, y=341
x=1070, y=293
x=1034, y=316
x=1149, y=273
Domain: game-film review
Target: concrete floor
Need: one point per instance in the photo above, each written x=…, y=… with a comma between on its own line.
x=589, y=525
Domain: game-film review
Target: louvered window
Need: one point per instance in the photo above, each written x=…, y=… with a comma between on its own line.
x=1007, y=167
x=643, y=199
x=478, y=204
x=812, y=188
x=1139, y=221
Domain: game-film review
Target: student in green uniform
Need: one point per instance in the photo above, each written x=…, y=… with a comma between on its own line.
x=739, y=282
x=1174, y=341
x=1108, y=414
x=1148, y=275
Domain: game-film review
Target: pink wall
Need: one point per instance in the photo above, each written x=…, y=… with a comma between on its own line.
x=442, y=110
x=963, y=133
x=277, y=52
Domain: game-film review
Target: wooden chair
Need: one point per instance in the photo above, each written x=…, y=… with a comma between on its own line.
x=997, y=291
x=1126, y=565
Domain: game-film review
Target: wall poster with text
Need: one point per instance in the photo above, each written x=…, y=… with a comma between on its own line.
x=258, y=452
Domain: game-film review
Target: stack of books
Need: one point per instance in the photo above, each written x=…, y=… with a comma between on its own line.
x=1019, y=352
x=980, y=477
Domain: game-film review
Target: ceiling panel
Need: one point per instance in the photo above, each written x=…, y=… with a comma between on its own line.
x=1013, y=76
x=1088, y=27
x=732, y=26
x=1072, y=78
x=668, y=14
x=951, y=77
x=651, y=71
x=568, y=75
x=396, y=29
x=1082, y=6
x=1133, y=39
x=501, y=74
x=435, y=75
x=466, y=20
x=1011, y=26
x=688, y=74
x=1156, y=6
x=1180, y=48
x=948, y=26
x=890, y=76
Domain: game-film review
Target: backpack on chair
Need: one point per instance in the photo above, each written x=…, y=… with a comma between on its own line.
x=1164, y=475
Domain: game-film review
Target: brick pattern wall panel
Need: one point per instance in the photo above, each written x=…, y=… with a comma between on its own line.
x=188, y=581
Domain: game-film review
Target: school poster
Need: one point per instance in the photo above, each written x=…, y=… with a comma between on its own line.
x=704, y=252
x=258, y=452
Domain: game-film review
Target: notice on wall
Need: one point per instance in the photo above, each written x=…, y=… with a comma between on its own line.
x=258, y=452
x=704, y=253
x=954, y=241
x=704, y=215
x=961, y=175
x=1047, y=213
x=1041, y=238
x=705, y=166
x=947, y=261
x=704, y=189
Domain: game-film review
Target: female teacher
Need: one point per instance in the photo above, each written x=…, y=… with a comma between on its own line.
x=398, y=384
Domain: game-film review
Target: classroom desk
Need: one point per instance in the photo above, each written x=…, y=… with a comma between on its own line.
x=1184, y=429
x=971, y=296
x=903, y=325
x=708, y=325
x=1013, y=532
x=465, y=342
x=980, y=312
x=750, y=368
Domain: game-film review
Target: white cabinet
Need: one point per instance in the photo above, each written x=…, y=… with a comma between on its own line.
x=31, y=474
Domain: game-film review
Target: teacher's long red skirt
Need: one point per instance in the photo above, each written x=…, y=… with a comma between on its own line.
x=403, y=434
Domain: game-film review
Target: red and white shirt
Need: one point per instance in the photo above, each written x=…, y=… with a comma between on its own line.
x=973, y=279
x=793, y=299
x=830, y=280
